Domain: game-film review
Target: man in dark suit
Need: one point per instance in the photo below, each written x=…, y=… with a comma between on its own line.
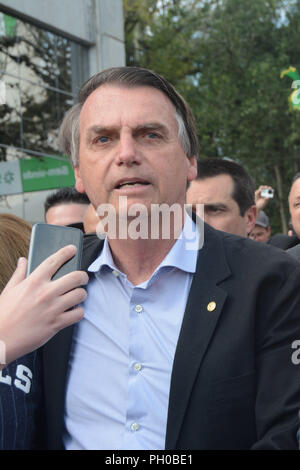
x=291, y=241
x=179, y=348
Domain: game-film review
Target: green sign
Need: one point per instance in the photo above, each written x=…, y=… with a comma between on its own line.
x=10, y=178
x=9, y=25
x=46, y=173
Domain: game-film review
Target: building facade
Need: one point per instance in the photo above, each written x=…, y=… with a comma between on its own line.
x=47, y=50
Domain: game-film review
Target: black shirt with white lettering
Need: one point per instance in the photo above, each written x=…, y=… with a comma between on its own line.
x=20, y=396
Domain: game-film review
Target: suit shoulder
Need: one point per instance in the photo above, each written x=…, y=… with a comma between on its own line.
x=294, y=252
x=257, y=254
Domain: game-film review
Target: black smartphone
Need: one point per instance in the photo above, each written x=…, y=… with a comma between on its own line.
x=47, y=239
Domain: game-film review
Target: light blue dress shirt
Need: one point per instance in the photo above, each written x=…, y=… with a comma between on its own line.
x=123, y=350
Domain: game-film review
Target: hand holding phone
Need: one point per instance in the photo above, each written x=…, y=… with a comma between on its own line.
x=34, y=309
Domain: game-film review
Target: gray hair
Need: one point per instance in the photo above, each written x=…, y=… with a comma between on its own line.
x=69, y=135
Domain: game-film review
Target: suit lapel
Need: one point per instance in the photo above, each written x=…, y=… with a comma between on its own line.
x=203, y=309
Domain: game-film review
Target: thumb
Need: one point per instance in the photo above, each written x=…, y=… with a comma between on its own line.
x=19, y=274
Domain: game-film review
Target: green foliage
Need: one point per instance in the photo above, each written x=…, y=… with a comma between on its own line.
x=226, y=57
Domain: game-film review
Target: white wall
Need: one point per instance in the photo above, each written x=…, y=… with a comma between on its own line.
x=70, y=16
x=28, y=206
x=96, y=23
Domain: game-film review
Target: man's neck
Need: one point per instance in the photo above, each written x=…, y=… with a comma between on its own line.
x=138, y=259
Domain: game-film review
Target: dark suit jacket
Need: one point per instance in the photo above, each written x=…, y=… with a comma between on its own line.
x=294, y=252
x=280, y=240
x=233, y=385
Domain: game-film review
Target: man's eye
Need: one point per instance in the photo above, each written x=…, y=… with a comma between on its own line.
x=103, y=139
x=152, y=135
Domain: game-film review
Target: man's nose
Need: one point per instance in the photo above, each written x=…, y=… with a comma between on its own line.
x=128, y=152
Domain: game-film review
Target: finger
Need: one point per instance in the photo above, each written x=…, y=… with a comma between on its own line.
x=51, y=264
x=71, y=299
x=19, y=274
x=70, y=317
x=69, y=281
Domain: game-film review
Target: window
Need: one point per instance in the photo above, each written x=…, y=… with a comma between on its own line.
x=42, y=73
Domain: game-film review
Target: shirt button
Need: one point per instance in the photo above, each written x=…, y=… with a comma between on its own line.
x=138, y=308
x=135, y=427
x=115, y=273
x=137, y=366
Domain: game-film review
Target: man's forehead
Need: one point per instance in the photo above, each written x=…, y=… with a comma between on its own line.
x=66, y=213
x=216, y=188
x=116, y=95
x=259, y=229
x=112, y=108
x=68, y=207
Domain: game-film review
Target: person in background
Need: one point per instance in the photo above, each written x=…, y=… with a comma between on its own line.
x=294, y=204
x=262, y=229
x=294, y=207
x=14, y=244
x=291, y=231
x=292, y=239
x=66, y=207
x=227, y=192
x=279, y=240
x=260, y=200
x=27, y=321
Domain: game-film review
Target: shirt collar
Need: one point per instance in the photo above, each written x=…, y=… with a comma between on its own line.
x=104, y=259
x=180, y=256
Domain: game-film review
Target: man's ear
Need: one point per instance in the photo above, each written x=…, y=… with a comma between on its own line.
x=192, y=170
x=251, y=215
x=79, y=183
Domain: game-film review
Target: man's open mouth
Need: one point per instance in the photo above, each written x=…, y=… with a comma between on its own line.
x=131, y=183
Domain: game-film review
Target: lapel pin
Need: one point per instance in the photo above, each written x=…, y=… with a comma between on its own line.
x=211, y=306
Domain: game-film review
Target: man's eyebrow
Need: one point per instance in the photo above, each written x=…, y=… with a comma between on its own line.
x=98, y=129
x=217, y=205
x=152, y=125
